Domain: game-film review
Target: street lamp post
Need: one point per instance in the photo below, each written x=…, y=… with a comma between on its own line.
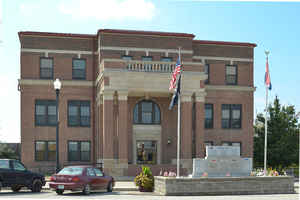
x=57, y=87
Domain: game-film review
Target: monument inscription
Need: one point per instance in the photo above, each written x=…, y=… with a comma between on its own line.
x=221, y=161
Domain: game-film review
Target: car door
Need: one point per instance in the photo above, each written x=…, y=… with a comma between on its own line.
x=92, y=179
x=8, y=175
x=23, y=176
x=101, y=181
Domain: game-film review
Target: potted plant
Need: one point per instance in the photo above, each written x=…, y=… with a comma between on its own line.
x=145, y=180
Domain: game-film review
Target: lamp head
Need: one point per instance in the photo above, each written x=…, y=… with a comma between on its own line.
x=57, y=84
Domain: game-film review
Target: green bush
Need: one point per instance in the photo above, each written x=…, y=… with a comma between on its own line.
x=145, y=180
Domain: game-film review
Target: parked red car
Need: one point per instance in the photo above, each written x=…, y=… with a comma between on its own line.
x=81, y=178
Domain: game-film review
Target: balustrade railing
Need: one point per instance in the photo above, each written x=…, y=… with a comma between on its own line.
x=150, y=66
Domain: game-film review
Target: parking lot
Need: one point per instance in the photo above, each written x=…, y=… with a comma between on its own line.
x=122, y=194
x=132, y=195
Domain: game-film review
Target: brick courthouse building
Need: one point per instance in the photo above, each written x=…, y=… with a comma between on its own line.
x=114, y=99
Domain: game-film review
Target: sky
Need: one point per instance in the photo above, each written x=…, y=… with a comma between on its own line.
x=273, y=26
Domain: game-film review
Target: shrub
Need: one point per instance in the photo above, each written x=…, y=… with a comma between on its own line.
x=145, y=180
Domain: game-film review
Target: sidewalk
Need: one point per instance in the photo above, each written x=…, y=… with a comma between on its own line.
x=119, y=186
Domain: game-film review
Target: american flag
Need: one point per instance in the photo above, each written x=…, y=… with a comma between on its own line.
x=267, y=77
x=176, y=71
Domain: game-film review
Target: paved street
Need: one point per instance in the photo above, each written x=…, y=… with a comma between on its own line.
x=47, y=194
x=127, y=191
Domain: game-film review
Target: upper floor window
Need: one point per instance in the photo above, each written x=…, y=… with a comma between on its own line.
x=147, y=58
x=79, y=113
x=231, y=74
x=209, y=115
x=79, y=69
x=235, y=144
x=209, y=143
x=146, y=112
x=45, y=112
x=45, y=150
x=46, y=68
x=231, y=115
x=166, y=59
x=206, y=71
x=79, y=150
x=127, y=58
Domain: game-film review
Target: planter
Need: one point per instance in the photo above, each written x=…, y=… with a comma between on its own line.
x=142, y=189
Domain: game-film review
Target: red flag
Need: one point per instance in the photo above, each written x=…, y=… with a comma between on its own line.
x=267, y=77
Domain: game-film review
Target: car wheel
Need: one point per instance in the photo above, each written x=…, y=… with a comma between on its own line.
x=59, y=192
x=16, y=188
x=87, y=189
x=109, y=187
x=36, y=185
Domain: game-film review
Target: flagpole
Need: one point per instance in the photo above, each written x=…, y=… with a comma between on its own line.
x=178, y=129
x=266, y=125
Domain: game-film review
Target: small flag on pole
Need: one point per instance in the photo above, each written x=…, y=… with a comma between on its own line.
x=176, y=71
x=267, y=77
x=176, y=94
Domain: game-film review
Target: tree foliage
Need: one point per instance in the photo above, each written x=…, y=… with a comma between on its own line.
x=283, y=137
x=6, y=152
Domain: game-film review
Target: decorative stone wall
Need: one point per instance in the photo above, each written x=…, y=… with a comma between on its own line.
x=171, y=186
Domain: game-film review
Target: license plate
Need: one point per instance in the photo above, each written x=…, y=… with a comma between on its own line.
x=61, y=187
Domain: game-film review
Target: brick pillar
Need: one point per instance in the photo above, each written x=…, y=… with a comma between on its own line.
x=186, y=132
x=108, y=125
x=123, y=133
x=122, y=125
x=186, y=126
x=199, y=129
x=99, y=130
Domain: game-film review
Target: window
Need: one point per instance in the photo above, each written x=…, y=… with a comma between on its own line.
x=146, y=58
x=231, y=74
x=166, y=59
x=79, y=151
x=78, y=70
x=146, y=112
x=146, y=152
x=231, y=115
x=18, y=166
x=71, y=171
x=98, y=172
x=127, y=58
x=45, y=112
x=45, y=151
x=46, y=68
x=235, y=144
x=4, y=164
x=90, y=172
x=208, y=143
x=79, y=113
x=209, y=116
x=206, y=71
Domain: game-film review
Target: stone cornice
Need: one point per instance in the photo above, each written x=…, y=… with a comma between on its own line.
x=145, y=49
x=58, y=51
x=230, y=88
x=40, y=82
x=231, y=59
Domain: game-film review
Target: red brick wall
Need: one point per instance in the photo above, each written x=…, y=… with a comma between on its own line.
x=62, y=65
x=243, y=135
x=59, y=43
x=222, y=51
x=31, y=133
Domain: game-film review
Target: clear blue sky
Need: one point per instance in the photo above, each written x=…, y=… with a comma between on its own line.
x=271, y=25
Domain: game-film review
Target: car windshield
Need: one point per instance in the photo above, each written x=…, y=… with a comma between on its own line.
x=71, y=171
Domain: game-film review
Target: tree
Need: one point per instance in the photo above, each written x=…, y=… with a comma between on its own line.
x=7, y=152
x=283, y=137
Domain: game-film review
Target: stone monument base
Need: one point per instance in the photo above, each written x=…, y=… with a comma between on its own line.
x=172, y=186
